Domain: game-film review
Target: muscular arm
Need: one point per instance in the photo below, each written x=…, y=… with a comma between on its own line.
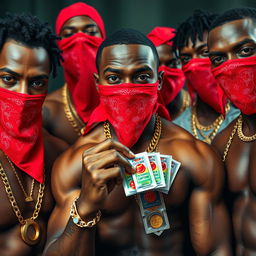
x=91, y=185
x=206, y=207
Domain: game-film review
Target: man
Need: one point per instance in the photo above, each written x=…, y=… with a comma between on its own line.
x=127, y=81
x=171, y=95
x=206, y=116
x=28, y=53
x=67, y=110
x=232, y=51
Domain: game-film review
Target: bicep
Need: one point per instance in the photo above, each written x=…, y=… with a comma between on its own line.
x=201, y=221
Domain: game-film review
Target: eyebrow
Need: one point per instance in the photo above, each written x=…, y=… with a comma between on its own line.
x=85, y=26
x=142, y=69
x=201, y=46
x=245, y=41
x=7, y=70
x=238, y=45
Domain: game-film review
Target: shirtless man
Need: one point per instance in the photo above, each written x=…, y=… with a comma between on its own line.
x=67, y=110
x=171, y=95
x=232, y=50
x=204, y=119
x=28, y=53
x=128, y=79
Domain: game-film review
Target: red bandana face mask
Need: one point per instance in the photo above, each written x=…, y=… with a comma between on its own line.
x=128, y=107
x=21, y=131
x=237, y=78
x=79, y=53
x=173, y=81
x=201, y=81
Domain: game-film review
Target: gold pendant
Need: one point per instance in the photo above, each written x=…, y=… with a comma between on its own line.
x=29, y=199
x=24, y=231
x=207, y=140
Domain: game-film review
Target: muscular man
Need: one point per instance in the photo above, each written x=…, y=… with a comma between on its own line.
x=66, y=111
x=127, y=81
x=28, y=53
x=205, y=118
x=232, y=51
x=171, y=94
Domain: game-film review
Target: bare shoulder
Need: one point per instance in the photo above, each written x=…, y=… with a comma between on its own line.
x=67, y=169
x=198, y=159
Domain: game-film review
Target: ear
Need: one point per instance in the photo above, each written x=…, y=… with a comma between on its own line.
x=160, y=79
x=96, y=79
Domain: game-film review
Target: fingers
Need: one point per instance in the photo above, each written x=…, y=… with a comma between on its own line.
x=106, y=159
x=110, y=144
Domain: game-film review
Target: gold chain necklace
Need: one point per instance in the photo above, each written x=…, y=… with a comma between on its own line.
x=28, y=198
x=237, y=128
x=230, y=139
x=155, y=139
x=215, y=126
x=240, y=133
x=26, y=224
x=70, y=112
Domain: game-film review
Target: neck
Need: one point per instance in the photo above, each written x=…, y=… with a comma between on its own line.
x=205, y=113
x=249, y=124
x=175, y=106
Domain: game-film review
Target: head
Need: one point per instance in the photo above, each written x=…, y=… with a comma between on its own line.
x=79, y=17
x=191, y=36
x=161, y=38
x=28, y=54
x=127, y=56
x=232, y=36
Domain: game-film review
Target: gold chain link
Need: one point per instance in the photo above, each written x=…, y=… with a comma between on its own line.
x=28, y=198
x=230, y=139
x=155, y=139
x=70, y=112
x=195, y=125
x=12, y=199
x=240, y=133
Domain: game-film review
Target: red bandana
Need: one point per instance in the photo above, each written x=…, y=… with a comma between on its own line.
x=128, y=107
x=173, y=82
x=79, y=53
x=21, y=131
x=161, y=35
x=202, y=82
x=237, y=78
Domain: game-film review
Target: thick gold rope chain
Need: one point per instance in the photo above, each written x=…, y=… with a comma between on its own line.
x=155, y=139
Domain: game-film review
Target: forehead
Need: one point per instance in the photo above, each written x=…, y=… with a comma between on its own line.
x=125, y=55
x=78, y=21
x=16, y=55
x=198, y=42
x=231, y=33
x=164, y=49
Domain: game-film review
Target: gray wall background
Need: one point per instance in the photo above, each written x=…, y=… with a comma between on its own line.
x=143, y=15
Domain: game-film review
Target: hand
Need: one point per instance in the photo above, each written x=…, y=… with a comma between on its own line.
x=102, y=166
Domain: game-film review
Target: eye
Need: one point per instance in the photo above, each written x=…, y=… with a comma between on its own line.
x=37, y=84
x=67, y=33
x=8, y=79
x=112, y=79
x=216, y=61
x=143, y=77
x=205, y=53
x=175, y=63
x=246, y=51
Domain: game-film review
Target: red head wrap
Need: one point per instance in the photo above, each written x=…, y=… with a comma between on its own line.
x=79, y=9
x=161, y=35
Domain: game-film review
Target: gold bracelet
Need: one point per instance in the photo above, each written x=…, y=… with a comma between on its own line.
x=81, y=223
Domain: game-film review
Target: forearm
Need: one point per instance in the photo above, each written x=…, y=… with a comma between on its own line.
x=73, y=241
